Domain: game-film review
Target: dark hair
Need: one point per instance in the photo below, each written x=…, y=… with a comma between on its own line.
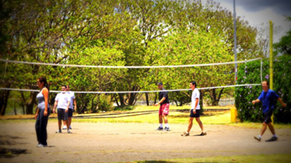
x=64, y=86
x=194, y=83
x=160, y=83
x=43, y=79
x=266, y=82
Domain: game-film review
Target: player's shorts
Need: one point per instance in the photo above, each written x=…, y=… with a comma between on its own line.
x=164, y=109
x=62, y=115
x=70, y=112
x=192, y=115
x=267, y=116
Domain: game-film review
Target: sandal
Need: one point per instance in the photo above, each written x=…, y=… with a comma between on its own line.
x=185, y=134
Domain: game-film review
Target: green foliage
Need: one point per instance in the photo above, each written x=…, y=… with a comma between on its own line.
x=281, y=84
x=284, y=45
x=117, y=33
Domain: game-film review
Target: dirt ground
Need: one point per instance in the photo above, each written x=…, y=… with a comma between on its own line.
x=113, y=142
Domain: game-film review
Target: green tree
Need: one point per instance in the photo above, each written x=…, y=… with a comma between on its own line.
x=284, y=45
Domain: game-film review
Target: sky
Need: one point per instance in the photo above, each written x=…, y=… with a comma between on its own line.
x=257, y=12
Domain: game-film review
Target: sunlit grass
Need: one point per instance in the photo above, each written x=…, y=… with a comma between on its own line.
x=238, y=159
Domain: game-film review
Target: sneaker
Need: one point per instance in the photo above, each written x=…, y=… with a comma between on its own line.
x=257, y=138
x=185, y=134
x=40, y=145
x=69, y=132
x=59, y=131
x=272, y=139
x=203, y=133
x=70, y=128
x=159, y=128
x=65, y=127
x=167, y=128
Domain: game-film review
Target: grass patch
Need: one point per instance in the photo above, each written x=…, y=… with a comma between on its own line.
x=278, y=158
x=125, y=108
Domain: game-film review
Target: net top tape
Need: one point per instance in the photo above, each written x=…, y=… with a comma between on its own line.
x=128, y=67
x=116, y=92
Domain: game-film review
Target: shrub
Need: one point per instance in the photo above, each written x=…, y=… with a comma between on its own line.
x=281, y=83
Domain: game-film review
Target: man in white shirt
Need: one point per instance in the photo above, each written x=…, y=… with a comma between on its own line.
x=71, y=109
x=195, y=110
x=62, y=103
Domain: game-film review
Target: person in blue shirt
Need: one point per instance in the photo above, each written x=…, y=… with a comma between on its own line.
x=269, y=99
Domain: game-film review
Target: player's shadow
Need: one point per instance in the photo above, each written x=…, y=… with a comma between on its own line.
x=199, y=135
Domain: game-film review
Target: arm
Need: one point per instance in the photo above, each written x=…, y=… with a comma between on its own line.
x=69, y=102
x=196, y=104
x=75, y=104
x=55, y=106
x=282, y=103
x=255, y=101
x=45, y=95
x=36, y=114
x=162, y=100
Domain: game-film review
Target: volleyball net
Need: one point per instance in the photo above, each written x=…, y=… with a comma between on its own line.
x=108, y=79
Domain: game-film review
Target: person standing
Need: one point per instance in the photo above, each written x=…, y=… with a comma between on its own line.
x=164, y=107
x=42, y=112
x=71, y=109
x=62, y=103
x=269, y=99
x=195, y=110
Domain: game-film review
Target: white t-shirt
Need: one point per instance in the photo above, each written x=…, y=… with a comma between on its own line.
x=72, y=97
x=63, y=100
x=195, y=94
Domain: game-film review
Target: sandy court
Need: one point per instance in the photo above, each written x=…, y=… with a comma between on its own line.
x=115, y=142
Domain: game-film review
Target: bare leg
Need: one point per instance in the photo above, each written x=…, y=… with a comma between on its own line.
x=165, y=119
x=70, y=121
x=67, y=123
x=160, y=119
x=264, y=128
x=64, y=122
x=271, y=127
x=60, y=124
x=200, y=124
x=190, y=124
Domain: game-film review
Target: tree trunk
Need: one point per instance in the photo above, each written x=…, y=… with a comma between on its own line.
x=121, y=99
x=155, y=101
x=215, y=99
x=147, y=99
x=201, y=99
x=3, y=101
x=15, y=112
x=30, y=104
x=116, y=100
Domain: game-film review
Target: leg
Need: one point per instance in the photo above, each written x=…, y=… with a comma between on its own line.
x=59, y=124
x=263, y=128
x=271, y=127
x=43, y=122
x=37, y=128
x=200, y=124
x=190, y=124
x=64, y=123
x=70, y=121
x=165, y=118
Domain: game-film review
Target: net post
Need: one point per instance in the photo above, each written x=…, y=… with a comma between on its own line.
x=235, y=41
x=261, y=67
x=271, y=61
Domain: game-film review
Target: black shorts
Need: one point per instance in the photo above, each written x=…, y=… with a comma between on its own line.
x=267, y=116
x=62, y=115
x=192, y=115
x=70, y=112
